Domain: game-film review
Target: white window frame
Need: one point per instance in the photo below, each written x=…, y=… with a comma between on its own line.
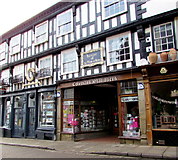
x=69, y=51
x=15, y=43
x=116, y=1
x=45, y=32
x=130, y=48
x=44, y=58
x=2, y=51
x=64, y=23
x=161, y=37
x=5, y=74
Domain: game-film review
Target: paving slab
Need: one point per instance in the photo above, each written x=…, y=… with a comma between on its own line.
x=154, y=152
x=171, y=152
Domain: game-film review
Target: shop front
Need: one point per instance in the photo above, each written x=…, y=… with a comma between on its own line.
x=95, y=108
x=29, y=114
x=163, y=82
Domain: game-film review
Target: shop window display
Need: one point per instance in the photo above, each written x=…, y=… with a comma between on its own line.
x=7, y=112
x=165, y=105
x=47, y=109
x=130, y=119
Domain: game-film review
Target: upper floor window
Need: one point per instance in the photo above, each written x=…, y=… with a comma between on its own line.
x=2, y=51
x=45, y=66
x=15, y=44
x=113, y=7
x=64, y=22
x=163, y=37
x=119, y=48
x=41, y=33
x=69, y=61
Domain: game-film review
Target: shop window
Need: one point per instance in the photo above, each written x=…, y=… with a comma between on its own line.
x=19, y=112
x=164, y=105
x=41, y=33
x=64, y=22
x=2, y=51
x=130, y=119
x=45, y=65
x=163, y=37
x=128, y=87
x=113, y=7
x=15, y=44
x=69, y=61
x=119, y=48
x=46, y=109
x=7, y=112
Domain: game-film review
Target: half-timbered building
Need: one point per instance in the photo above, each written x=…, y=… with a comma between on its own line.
x=83, y=69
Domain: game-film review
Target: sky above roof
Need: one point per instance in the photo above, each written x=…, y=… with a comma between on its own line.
x=14, y=12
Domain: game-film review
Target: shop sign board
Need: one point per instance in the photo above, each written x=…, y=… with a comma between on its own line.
x=96, y=81
x=92, y=57
x=129, y=99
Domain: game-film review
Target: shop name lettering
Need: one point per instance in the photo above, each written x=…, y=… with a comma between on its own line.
x=95, y=81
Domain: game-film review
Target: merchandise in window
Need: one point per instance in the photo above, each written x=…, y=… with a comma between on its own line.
x=163, y=37
x=46, y=109
x=64, y=22
x=15, y=44
x=41, y=33
x=93, y=118
x=119, y=49
x=7, y=112
x=130, y=119
x=114, y=7
x=164, y=105
x=69, y=61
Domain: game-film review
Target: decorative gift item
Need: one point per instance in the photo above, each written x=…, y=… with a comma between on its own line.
x=164, y=56
x=172, y=54
x=152, y=57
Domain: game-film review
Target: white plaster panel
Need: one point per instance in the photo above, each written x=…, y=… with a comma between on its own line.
x=123, y=19
x=92, y=29
x=89, y=72
x=77, y=15
x=114, y=22
x=119, y=66
x=154, y=7
x=96, y=71
x=78, y=32
x=128, y=64
x=136, y=41
x=84, y=32
x=84, y=14
x=98, y=6
x=99, y=24
x=106, y=25
x=92, y=10
x=132, y=12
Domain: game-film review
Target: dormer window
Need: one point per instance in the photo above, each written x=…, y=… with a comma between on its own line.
x=2, y=51
x=15, y=44
x=113, y=7
x=64, y=22
x=41, y=33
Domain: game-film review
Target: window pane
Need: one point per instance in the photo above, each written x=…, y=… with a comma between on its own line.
x=170, y=45
x=164, y=47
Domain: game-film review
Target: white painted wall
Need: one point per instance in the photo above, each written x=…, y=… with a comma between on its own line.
x=155, y=7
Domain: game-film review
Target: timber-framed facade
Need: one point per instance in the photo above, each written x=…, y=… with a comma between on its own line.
x=81, y=69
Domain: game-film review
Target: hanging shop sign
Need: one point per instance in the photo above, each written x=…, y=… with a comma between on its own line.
x=30, y=76
x=129, y=99
x=92, y=57
x=140, y=86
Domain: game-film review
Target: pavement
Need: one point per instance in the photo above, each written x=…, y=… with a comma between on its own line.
x=97, y=147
